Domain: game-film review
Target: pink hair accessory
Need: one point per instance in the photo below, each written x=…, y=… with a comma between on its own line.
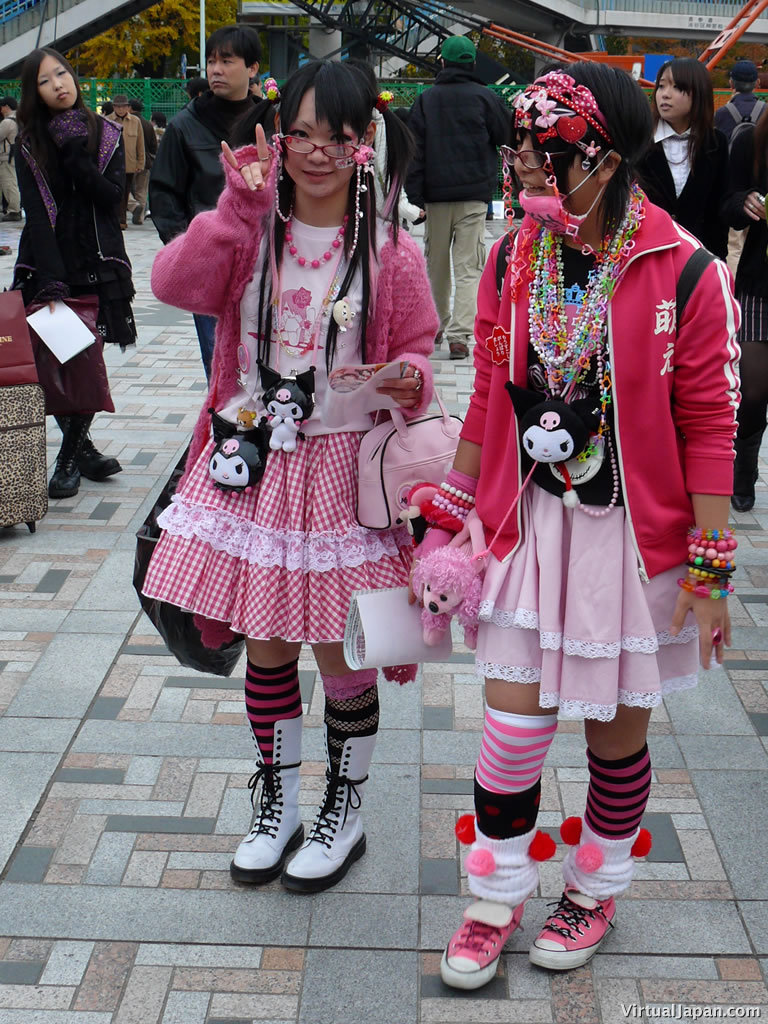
x=363, y=155
x=556, y=95
x=480, y=863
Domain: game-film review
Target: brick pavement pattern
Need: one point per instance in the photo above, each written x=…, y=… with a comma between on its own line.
x=123, y=784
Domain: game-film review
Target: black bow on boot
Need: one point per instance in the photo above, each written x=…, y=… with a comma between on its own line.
x=745, y=472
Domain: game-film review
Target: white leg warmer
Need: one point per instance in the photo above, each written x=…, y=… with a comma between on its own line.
x=502, y=870
x=600, y=867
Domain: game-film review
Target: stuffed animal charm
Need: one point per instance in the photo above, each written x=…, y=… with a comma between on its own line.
x=553, y=431
x=343, y=314
x=289, y=401
x=448, y=582
x=239, y=458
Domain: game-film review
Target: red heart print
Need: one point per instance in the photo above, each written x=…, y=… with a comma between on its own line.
x=490, y=809
x=571, y=129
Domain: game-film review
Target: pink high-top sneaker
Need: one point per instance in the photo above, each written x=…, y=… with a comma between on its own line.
x=573, y=932
x=472, y=955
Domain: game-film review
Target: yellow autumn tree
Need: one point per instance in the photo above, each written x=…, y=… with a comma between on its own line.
x=152, y=43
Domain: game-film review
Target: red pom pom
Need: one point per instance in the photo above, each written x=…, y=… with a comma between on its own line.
x=542, y=846
x=589, y=858
x=570, y=831
x=642, y=845
x=480, y=863
x=465, y=829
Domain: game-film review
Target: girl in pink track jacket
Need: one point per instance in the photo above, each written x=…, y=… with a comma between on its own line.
x=302, y=275
x=617, y=423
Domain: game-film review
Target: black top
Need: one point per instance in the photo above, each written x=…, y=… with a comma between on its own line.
x=187, y=176
x=459, y=125
x=696, y=208
x=599, y=489
x=86, y=244
x=752, y=273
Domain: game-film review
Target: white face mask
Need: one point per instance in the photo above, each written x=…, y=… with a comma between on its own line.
x=550, y=212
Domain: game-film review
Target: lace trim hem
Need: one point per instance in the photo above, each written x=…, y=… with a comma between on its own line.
x=509, y=673
x=289, y=549
x=607, y=712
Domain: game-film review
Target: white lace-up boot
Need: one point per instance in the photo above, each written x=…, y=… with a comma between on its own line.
x=336, y=840
x=277, y=828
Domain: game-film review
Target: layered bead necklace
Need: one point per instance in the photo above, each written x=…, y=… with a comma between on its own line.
x=566, y=354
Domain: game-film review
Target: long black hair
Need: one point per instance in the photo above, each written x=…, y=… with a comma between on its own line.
x=627, y=116
x=344, y=96
x=691, y=77
x=33, y=114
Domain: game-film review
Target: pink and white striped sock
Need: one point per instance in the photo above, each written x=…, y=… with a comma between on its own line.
x=513, y=749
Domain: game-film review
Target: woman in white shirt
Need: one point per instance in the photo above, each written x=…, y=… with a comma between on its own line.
x=685, y=170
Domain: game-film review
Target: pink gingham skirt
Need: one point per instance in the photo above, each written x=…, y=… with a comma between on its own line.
x=284, y=560
x=569, y=613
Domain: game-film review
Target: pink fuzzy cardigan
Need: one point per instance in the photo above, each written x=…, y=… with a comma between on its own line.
x=206, y=269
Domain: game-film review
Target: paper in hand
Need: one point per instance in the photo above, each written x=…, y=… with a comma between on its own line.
x=356, y=385
x=62, y=331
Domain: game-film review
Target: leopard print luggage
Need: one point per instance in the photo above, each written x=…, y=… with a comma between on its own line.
x=23, y=484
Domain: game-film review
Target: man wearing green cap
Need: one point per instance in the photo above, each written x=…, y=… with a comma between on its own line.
x=459, y=125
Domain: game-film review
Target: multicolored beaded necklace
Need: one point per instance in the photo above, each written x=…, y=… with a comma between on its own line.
x=566, y=354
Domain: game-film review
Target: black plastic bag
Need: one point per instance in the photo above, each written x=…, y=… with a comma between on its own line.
x=176, y=626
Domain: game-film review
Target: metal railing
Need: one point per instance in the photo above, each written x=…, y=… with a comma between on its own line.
x=705, y=8
x=13, y=8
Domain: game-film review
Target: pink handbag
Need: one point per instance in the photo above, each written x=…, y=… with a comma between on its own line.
x=398, y=453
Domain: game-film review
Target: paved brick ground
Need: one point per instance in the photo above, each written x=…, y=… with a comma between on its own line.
x=122, y=781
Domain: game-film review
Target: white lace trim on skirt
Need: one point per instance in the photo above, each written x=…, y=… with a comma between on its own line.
x=510, y=673
x=308, y=552
x=607, y=712
x=524, y=618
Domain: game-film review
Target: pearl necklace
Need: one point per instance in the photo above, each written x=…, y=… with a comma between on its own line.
x=327, y=255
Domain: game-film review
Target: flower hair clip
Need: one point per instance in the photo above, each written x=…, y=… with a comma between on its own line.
x=271, y=90
x=383, y=100
x=364, y=156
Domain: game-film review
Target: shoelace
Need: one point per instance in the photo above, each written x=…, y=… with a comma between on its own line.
x=338, y=787
x=270, y=805
x=476, y=936
x=572, y=916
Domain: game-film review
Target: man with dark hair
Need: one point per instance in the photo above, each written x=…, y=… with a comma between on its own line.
x=186, y=176
x=743, y=105
x=458, y=125
x=137, y=203
x=196, y=87
x=8, y=183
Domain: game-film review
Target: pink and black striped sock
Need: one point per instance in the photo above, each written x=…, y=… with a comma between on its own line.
x=618, y=794
x=271, y=695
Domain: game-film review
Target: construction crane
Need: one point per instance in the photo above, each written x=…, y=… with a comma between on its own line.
x=732, y=32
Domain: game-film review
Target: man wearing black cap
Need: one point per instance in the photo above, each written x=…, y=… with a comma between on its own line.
x=458, y=125
x=744, y=106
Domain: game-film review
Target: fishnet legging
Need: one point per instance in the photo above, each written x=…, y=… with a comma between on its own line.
x=355, y=716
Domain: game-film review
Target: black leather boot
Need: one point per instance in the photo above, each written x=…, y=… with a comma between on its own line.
x=92, y=464
x=65, y=482
x=745, y=472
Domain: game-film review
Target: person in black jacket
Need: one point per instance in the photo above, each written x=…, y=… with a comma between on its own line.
x=685, y=171
x=187, y=177
x=458, y=125
x=744, y=207
x=71, y=169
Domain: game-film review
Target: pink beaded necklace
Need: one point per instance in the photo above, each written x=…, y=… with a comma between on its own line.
x=327, y=255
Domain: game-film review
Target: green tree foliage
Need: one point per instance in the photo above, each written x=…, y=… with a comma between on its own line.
x=152, y=43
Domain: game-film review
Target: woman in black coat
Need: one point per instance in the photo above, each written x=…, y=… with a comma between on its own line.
x=744, y=207
x=71, y=171
x=685, y=170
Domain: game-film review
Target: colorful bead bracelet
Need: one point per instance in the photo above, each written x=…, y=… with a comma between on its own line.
x=702, y=590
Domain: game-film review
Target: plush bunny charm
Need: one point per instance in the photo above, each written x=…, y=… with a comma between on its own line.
x=239, y=458
x=289, y=401
x=556, y=432
x=448, y=582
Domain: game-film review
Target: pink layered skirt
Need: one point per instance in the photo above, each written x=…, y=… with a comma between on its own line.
x=569, y=613
x=284, y=560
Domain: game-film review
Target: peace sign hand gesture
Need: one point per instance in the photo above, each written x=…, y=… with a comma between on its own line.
x=254, y=174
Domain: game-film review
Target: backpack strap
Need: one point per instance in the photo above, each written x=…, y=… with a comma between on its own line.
x=732, y=109
x=502, y=257
x=757, y=109
x=690, y=275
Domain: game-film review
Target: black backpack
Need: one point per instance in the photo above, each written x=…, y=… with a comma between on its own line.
x=743, y=124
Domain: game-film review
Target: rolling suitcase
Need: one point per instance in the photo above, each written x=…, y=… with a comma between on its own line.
x=23, y=470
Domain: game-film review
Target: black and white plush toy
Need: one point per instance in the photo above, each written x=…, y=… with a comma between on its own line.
x=554, y=431
x=239, y=459
x=289, y=401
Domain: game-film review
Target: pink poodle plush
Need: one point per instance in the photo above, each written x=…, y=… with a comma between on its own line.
x=448, y=581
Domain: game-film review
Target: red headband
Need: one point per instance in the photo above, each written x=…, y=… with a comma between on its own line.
x=565, y=111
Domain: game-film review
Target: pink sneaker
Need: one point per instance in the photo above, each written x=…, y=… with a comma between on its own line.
x=573, y=933
x=472, y=956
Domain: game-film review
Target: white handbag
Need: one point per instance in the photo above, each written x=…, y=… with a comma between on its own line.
x=398, y=453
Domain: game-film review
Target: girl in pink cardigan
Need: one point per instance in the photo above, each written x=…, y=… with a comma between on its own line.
x=261, y=537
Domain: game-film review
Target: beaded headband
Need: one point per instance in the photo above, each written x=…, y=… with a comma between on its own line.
x=561, y=110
